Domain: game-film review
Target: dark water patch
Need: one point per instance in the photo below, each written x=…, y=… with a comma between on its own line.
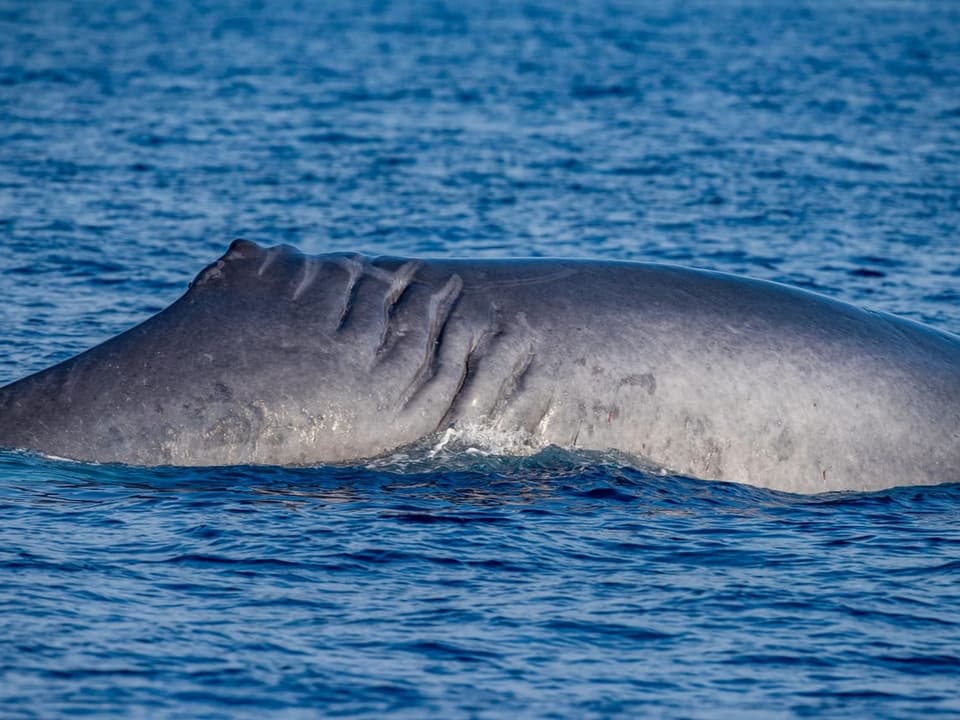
x=606, y=633
x=431, y=519
x=867, y=273
x=333, y=138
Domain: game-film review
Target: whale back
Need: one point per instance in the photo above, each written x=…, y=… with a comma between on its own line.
x=276, y=357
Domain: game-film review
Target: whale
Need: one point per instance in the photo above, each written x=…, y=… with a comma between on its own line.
x=275, y=357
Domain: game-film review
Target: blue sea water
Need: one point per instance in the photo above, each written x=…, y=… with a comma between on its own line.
x=814, y=143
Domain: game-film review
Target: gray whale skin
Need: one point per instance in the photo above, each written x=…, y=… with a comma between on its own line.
x=275, y=357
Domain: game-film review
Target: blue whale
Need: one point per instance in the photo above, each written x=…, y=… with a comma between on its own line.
x=280, y=358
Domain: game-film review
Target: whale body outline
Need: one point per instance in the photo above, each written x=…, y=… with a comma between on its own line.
x=274, y=357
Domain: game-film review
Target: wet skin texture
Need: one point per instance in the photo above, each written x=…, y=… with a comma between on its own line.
x=275, y=357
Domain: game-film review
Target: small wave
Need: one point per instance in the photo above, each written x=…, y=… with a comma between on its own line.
x=483, y=448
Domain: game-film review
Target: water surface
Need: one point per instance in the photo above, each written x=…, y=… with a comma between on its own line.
x=816, y=144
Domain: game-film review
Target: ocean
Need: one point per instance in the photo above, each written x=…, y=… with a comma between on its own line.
x=812, y=143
